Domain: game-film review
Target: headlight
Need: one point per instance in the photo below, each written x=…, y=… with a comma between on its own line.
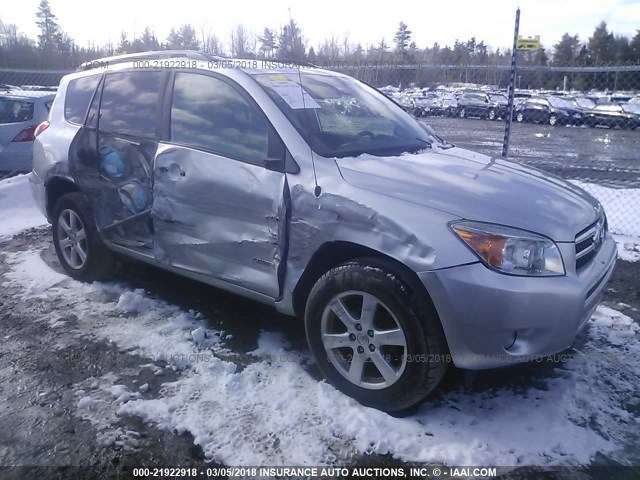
x=510, y=250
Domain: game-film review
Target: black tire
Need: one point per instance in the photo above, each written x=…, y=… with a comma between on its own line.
x=99, y=260
x=426, y=350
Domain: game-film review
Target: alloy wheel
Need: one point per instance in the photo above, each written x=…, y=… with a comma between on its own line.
x=364, y=340
x=72, y=239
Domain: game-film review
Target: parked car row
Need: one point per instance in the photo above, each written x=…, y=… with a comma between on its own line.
x=555, y=110
x=529, y=106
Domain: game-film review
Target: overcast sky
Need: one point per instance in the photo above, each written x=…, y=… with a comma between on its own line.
x=367, y=22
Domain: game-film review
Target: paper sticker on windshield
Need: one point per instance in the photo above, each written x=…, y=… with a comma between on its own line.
x=295, y=96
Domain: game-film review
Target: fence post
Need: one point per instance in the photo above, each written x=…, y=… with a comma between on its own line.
x=512, y=85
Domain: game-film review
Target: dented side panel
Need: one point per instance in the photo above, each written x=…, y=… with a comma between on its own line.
x=219, y=217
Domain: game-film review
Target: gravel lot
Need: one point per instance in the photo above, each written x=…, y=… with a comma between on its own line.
x=599, y=155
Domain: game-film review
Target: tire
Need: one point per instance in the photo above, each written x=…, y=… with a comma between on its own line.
x=520, y=117
x=71, y=216
x=492, y=114
x=416, y=357
x=462, y=113
x=553, y=120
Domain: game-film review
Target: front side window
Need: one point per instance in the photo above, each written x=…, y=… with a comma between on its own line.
x=208, y=113
x=79, y=94
x=130, y=103
x=339, y=116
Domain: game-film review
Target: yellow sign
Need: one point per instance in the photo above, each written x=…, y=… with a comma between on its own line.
x=529, y=43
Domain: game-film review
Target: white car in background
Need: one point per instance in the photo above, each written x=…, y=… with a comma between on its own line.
x=21, y=111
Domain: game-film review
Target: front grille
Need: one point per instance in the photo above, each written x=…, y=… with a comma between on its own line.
x=589, y=240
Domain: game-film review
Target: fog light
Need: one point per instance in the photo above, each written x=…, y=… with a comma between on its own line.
x=509, y=339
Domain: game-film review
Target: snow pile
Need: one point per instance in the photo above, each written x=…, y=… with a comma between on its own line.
x=18, y=211
x=628, y=247
x=273, y=412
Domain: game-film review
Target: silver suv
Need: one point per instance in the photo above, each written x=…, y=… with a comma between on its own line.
x=310, y=191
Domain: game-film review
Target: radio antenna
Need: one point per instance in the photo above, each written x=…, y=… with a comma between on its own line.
x=317, y=190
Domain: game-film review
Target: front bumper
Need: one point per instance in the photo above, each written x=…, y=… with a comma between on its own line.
x=482, y=311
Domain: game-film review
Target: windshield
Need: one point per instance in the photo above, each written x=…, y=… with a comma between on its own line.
x=585, y=102
x=342, y=117
x=559, y=102
x=631, y=108
x=498, y=98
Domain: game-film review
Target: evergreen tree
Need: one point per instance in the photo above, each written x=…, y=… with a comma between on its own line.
x=634, y=47
x=402, y=38
x=50, y=34
x=290, y=43
x=567, y=50
x=602, y=45
x=268, y=43
x=183, y=39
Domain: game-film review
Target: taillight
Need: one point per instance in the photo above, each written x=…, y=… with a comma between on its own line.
x=26, y=135
x=41, y=128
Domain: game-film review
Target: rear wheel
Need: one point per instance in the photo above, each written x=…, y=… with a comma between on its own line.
x=462, y=113
x=553, y=119
x=492, y=114
x=373, y=338
x=80, y=249
x=520, y=117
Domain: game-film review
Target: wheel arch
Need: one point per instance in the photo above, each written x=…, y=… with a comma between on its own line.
x=56, y=187
x=331, y=254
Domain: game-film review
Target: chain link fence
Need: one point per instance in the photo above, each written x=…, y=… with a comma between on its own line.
x=581, y=123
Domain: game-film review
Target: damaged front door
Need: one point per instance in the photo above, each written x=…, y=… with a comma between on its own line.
x=220, y=194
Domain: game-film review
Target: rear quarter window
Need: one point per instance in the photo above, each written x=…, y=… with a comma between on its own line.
x=79, y=94
x=15, y=111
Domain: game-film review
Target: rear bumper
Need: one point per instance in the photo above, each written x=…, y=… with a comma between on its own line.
x=482, y=311
x=38, y=192
x=16, y=156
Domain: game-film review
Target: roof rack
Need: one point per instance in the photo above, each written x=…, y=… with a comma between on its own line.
x=157, y=54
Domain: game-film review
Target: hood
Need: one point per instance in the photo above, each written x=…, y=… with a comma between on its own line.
x=477, y=187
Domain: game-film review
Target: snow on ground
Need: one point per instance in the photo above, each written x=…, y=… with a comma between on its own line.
x=17, y=210
x=273, y=412
x=628, y=247
x=622, y=206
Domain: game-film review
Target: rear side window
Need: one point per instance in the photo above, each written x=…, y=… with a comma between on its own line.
x=79, y=93
x=14, y=111
x=130, y=103
x=209, y=113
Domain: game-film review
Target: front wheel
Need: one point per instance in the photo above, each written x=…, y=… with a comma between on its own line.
x=520, y=117
x=463, y=113
x=553, y=120
x=80, y=249
x=492, y=114
x=373, y=338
